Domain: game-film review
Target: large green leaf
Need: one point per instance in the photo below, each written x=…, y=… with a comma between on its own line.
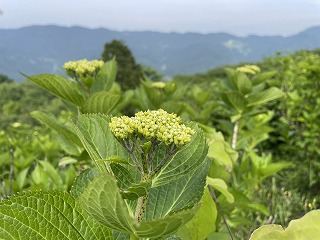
x=262, y=77
x=222, y=153
x=244, y=84
x=82, y=181
x=219, y=149
x=47, y=215
x=259, y=98
x=222, y=187
x=101, y=102
x=52, y=122
x=166, y=226
x=59, y=86
x=305, y=228
x=102, y=199
x=95, y=135
x=182, y=193
x=129, y=189
x=105, y=77
x=203, y=223
x=52, y=173
x=235, y=99
x=187, y=158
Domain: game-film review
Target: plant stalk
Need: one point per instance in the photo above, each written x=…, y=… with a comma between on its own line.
x=141, y=208
x=235, y=134
x=214, y=197
x=11, y=150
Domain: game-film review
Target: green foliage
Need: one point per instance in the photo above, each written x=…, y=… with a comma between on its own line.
x=60, y=86
x=19, y=99
x=182, y=180
x=306, y=227
x=47, y=215
x=198, y=228
x=101, y=95
x=4, y=78
x=295, y=138
x=30, y=159
x=250, y=126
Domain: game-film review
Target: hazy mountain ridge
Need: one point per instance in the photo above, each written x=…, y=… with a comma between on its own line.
x=39, y=49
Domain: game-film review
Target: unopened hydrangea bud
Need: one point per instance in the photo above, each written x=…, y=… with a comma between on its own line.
x=83, y=67
x=158, y=84
x=249, y=69
x=158, y=124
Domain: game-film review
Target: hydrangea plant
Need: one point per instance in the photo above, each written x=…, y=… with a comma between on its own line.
x=160, y=166
x=149, y=178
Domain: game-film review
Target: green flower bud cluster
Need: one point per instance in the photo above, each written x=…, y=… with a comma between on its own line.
x=158, y=85
x=249, y=69
x=83, y=67
x=158, y=124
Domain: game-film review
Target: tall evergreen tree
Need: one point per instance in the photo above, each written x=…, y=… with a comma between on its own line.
x=129, y=72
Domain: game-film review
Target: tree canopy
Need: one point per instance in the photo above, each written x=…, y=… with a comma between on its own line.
x=129, y=72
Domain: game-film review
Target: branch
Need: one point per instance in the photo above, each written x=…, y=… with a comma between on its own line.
x=11, y=150
x=235, y=135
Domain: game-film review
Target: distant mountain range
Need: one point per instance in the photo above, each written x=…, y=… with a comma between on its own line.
x=40, y=49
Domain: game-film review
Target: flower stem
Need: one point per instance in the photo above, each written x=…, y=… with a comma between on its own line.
x=141, y=208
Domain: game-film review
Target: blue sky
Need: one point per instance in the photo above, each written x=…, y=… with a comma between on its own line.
x=240, y=17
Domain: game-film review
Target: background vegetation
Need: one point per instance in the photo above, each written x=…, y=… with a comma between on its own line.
x=262, y=130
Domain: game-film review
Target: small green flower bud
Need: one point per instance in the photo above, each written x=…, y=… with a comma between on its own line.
x=249, y=69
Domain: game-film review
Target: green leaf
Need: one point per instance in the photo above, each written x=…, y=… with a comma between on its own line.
x=222, y=153
x=219, y=149
x=219, y=236
x=203, y=223
x=105, y=77
x=59, y=86
x=265, y=96
x=304, y=228
x=37, y=175
x=120, y=235
x=123, y=176
x=235, y=99
x=270, y=231
x=136, y=190
x=103, y=201
x=21, y=177
x=273, y=168
x=221, y=186
x=117, y=159
x=244, y=84
x=82, y=181
x=50, y=120
x=129, y=189
x=95, y=135
x=262, y=77
x=187, y=158
x=52, y=173
x=47, y=215
x=166, y=226
x=230, y=82
x=66, y=161
x=182, y=193
x=101, y=102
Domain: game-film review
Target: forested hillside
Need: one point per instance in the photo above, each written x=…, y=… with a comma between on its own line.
x=39, y=49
